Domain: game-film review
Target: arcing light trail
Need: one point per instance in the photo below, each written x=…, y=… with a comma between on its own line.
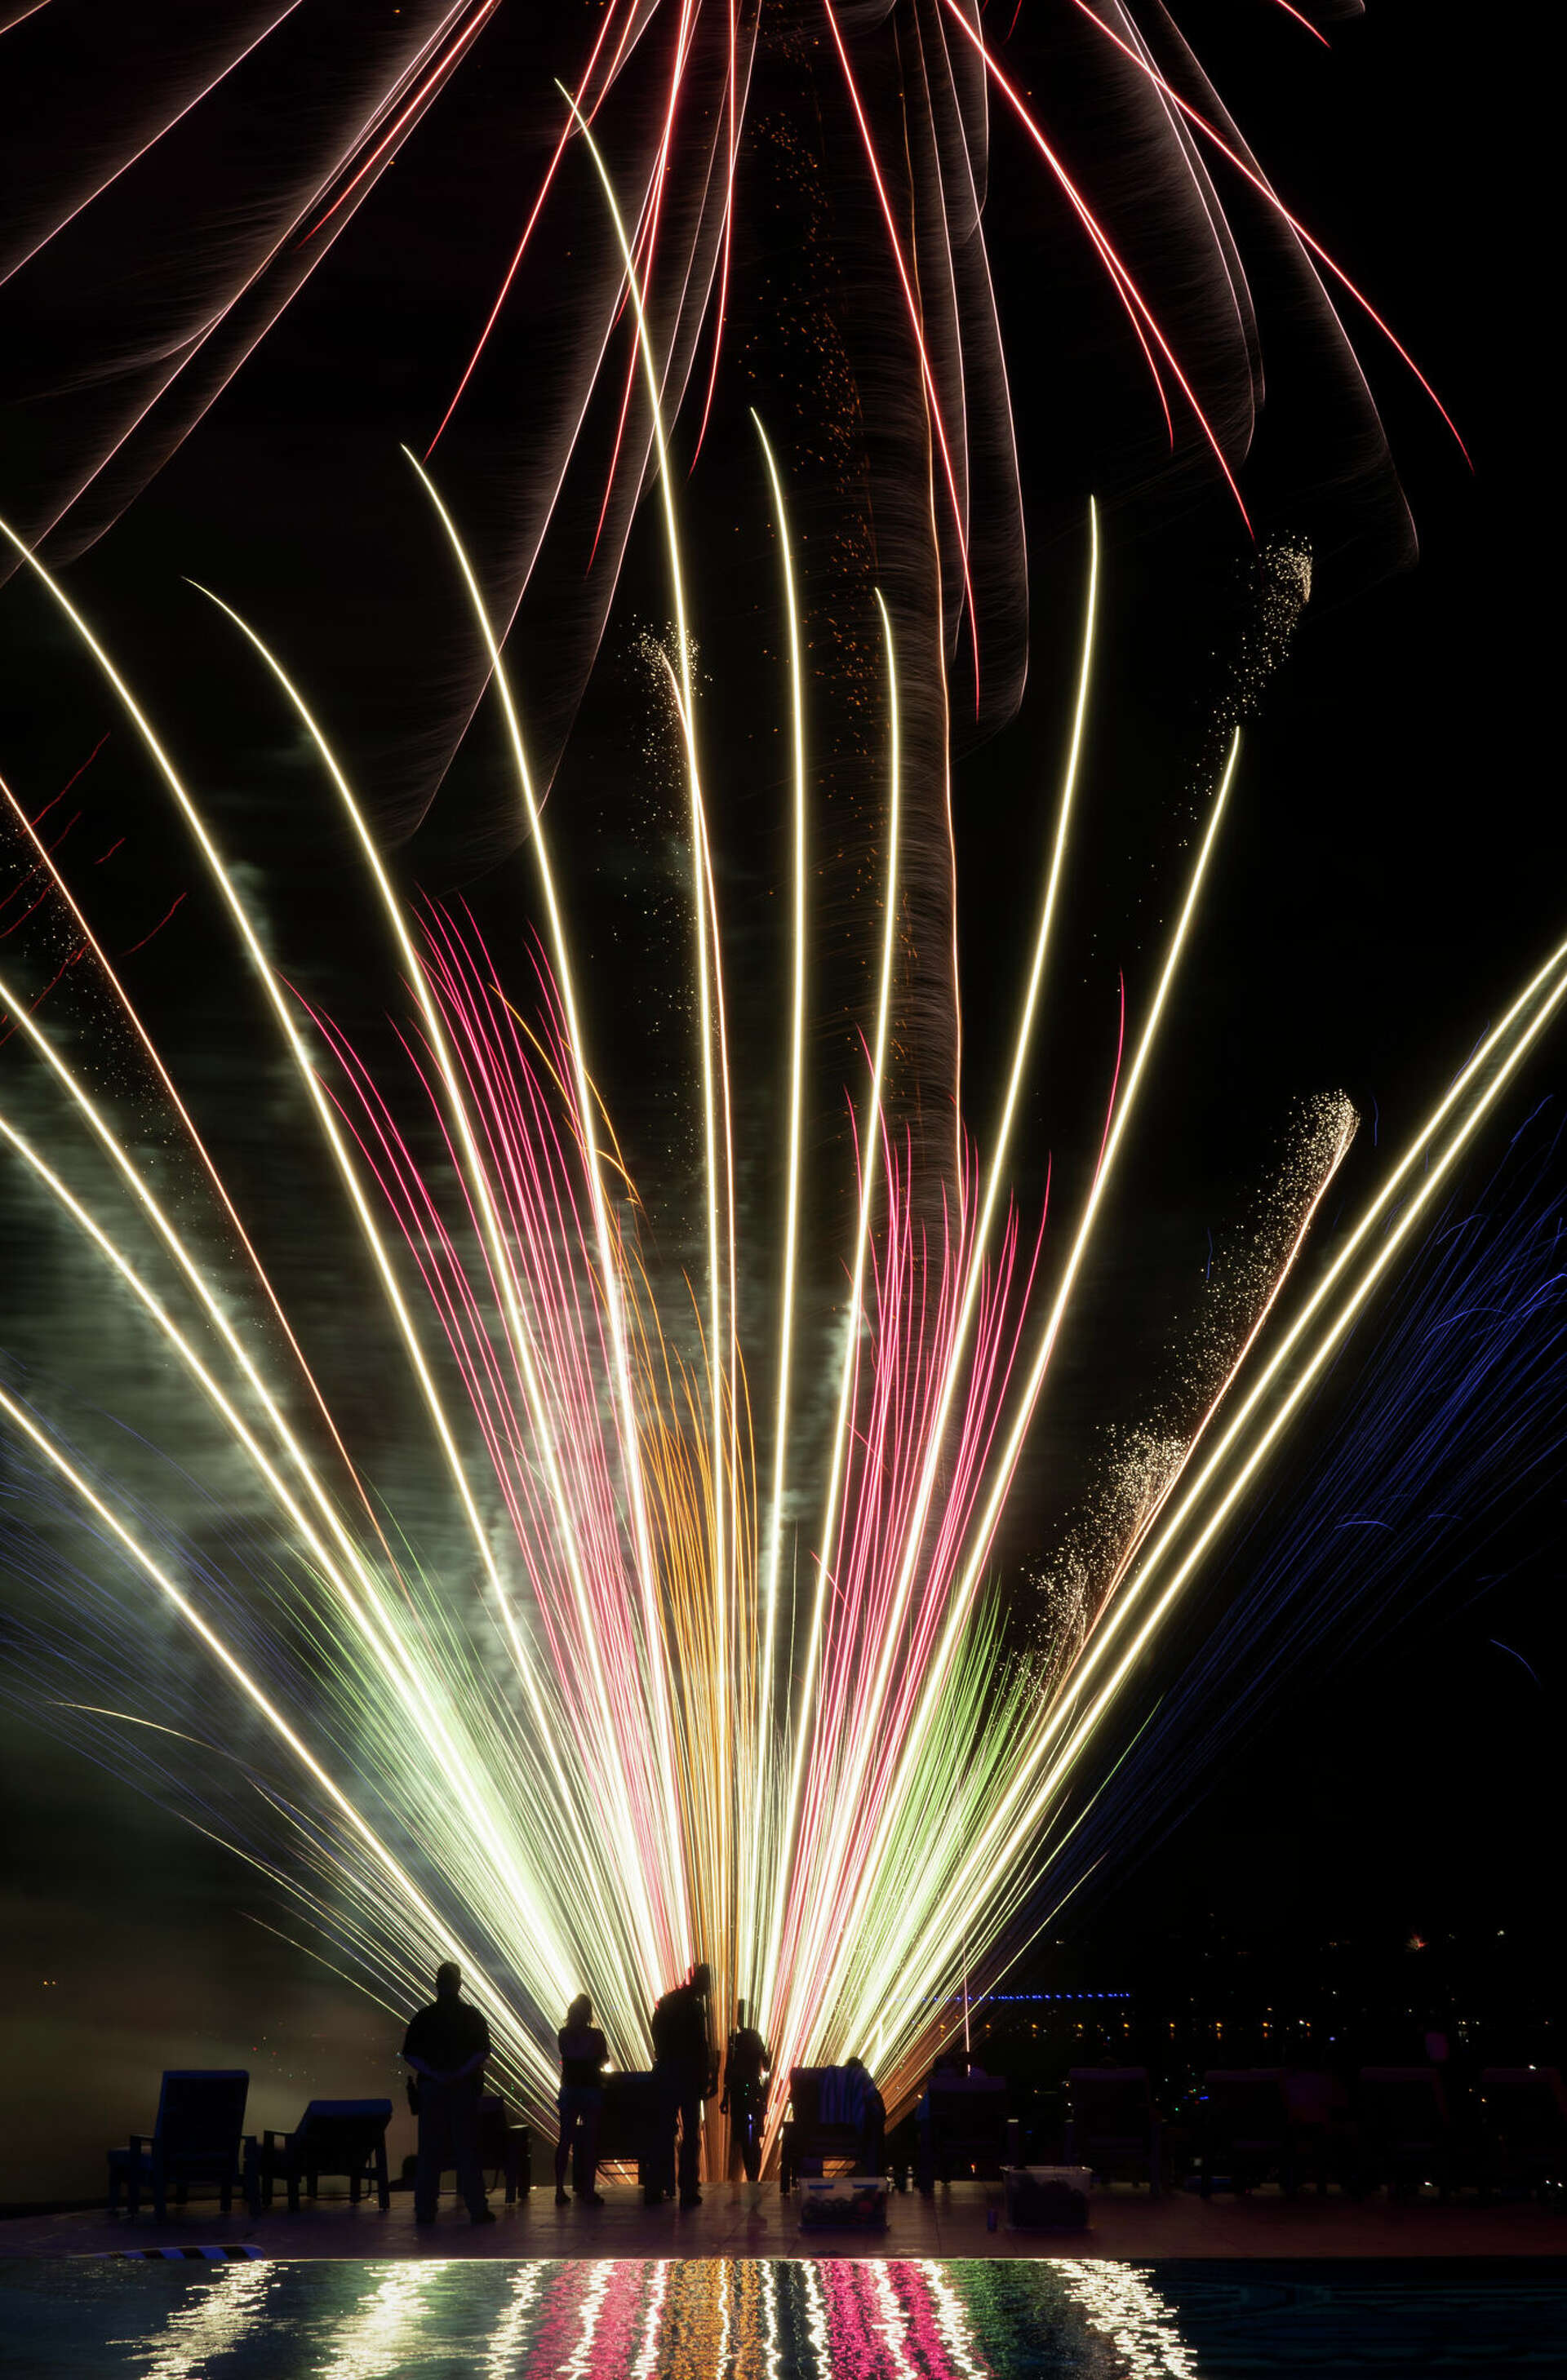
x=670, y=84
x=621, y=1735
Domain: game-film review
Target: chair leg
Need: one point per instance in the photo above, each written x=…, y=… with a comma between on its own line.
x=354, y=2190
x=382, y=2180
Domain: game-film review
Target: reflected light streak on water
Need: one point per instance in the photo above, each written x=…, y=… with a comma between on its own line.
x=891, y=2323
x=206, y=2327
x=816, y=2322
x=378, y=2337
x=1119, y=2302
x=952, y=2325
x=502, y=2362
x=646, y=2363
x=582, y=2363
x=773, y=2280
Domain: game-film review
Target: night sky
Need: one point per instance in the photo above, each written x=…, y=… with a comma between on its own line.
x=1391, y=871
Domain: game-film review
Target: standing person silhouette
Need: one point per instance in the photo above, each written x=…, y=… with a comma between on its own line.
x=687, y=2069
x=584, y=2055
x=746, y=2066
x=446, y=2044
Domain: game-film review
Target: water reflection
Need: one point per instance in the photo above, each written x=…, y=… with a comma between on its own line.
x=1123, y=2306
x=206, y=2324
x=510, y=2335
x=380, y=2338
x=830, y=2319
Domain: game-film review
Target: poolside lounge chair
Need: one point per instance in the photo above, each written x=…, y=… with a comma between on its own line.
x=1524, y=2127
x=963, y=2125
x=1404, y=2138
x=628, y=2128
x=1112, y=2127
x=505, y=2148
x=333, y=2136
x=196, y=2138
x=1246, y=2133
x=809, y=2136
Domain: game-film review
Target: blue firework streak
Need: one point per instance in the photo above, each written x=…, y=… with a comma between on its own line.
x=1455, y=1424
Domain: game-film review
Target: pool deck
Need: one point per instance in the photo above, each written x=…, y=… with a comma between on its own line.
x=738, y=2219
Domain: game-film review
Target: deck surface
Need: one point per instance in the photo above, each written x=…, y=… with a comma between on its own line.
x=738, y=2219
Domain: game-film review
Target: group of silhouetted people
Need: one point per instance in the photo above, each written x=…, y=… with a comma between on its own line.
x=447, y=2044
x=685, y=2073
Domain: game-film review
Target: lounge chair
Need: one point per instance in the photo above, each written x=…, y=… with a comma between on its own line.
x=505, y=2148
x=1112, y=2127
x=1524, y=2127
x=1404, y=2138
x=1246, y=2132
x=628, y=2129
x=963, y=2125
x=808, y=2137
x=333, y=2136
x=196, y=2138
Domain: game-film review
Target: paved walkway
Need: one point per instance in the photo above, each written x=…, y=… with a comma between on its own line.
x=740, y=2219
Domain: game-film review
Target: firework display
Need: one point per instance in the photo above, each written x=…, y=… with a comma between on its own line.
x=590, y=1623
x=646, y=1740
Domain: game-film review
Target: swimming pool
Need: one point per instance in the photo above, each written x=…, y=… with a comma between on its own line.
x=1000, y=2318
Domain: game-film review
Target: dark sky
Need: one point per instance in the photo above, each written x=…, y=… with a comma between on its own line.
x=1391, y=870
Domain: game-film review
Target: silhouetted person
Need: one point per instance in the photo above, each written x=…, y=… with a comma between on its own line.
x=684, y=2062
x=848, y=2096
x=584, y=2055
x=744, y=2090
x=446, y=2044
x=950, y=2069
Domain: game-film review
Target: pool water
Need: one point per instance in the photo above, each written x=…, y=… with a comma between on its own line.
x=999, y=2318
